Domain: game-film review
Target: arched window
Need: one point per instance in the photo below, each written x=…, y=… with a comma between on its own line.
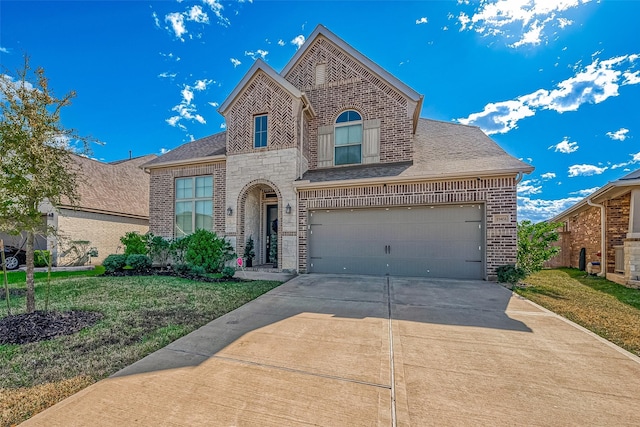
x=348, y=138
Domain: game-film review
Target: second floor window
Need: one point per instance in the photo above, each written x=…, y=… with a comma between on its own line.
x=194, y=204
x=260, y=131
x=348, y=138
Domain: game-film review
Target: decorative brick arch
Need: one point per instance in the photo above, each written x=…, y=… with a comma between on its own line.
x=256, y=184
x=350, y=106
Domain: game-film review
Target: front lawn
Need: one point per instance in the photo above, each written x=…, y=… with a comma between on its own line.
x=606, y=308
x=140, y=315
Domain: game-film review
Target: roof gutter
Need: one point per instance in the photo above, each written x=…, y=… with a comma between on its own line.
x=302, y=185
x=603, y=237
x=195, y=161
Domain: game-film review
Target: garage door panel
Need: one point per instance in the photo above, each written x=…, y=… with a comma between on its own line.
x=421, y=241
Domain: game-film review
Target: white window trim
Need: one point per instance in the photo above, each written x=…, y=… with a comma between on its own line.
x=345, y=124
x=193, y=201
x=266, y=131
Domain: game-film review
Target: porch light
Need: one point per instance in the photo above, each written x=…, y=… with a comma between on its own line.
x=229, y=211
x=287, y=209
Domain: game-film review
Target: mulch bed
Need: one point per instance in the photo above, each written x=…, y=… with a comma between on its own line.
x=172, y=273
x=40, y=326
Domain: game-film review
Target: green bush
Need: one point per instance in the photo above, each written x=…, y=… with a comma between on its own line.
x=205, y=249
x=40, y=258
x=178, y=249
x=228, y=272
x=510, y=274
x=134, y=243
x=114, y=262
x=189, y=270
x=138, y=262
x=159, y=249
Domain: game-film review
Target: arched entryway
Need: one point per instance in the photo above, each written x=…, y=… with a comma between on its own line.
x=259, y=215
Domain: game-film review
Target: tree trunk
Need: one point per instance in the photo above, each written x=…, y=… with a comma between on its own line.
x=31, y=291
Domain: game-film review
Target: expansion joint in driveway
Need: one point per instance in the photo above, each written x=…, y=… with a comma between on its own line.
x=392, y=369
x=299, y=371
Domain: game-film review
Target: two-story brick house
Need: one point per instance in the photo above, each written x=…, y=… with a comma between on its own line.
x=331, y=158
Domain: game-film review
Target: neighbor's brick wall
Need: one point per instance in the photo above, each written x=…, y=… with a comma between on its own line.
x=103, y=231
x=497, y=194
x=162, y=196
x=584, y=231
x=618, y=211
x=350, y=85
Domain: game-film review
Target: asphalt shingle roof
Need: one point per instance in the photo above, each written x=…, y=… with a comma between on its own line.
x=120, y=187
x=440, y=148
x=213, y=145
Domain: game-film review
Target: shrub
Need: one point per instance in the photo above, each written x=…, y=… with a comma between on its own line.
x=114, y=262
x=184, y=269
x=134, y=243
x=159, y=249
x=40, y=258
x=138, y=262
x=178, y=249
x=535, y=244
x=207, y=250
x=510, y=274
x=228, y=272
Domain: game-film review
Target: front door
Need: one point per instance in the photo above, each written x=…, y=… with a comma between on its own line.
x=271, y=231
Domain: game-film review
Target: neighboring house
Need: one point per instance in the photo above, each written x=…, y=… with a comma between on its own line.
x=114, y=199
x=330, y=160
x=607, y=225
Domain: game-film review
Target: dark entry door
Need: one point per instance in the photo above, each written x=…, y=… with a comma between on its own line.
x=271, y=230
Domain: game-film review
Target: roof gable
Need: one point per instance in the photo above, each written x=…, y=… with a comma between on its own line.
x=257, y=66
x=203, y=148
x=322, y=31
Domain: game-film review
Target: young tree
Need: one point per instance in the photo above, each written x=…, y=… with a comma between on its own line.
x=36, y=157
x=535, y=244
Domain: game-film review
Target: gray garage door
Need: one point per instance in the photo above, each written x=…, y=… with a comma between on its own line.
x=439, y=241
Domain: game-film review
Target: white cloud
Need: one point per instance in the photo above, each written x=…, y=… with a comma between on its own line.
x=527, y=21
x=585, y=170
x=585, y=192
x=164, y=150
x=548, y=175
x=235, y=62
x=445, y=28
x=298, y=41
x=217, y=8
x=257, y=54
x=202, y=84
x=156, y=21
x=196, y=14
x=594, y=84
x=223, y=125
x=539, y=209
x=528, y=187
x=565, y=146
x=619, y=135
x=173, y=121
x=177, y=24
x=170, y=56
x=422, y=20
x=631, y=78
x=166, y=75
x=281, y=42
x=187, y=95
x=635, y=158
x=214, y=104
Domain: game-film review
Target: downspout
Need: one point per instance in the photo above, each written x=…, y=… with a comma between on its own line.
x=603, y=238
x=305, y=108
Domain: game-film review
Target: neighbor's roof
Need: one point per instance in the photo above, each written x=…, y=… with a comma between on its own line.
x=441, y=149
x=609, y=191
x=210, y=146
x=117, y=188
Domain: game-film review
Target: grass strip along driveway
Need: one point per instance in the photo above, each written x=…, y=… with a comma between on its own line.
x=604, y=307
x=140, y=315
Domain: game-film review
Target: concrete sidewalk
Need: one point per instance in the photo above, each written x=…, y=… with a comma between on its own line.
x=355, y=350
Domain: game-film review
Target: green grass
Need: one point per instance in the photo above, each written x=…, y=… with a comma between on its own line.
x=17, y=277
x=604, y=307
x=141, y=315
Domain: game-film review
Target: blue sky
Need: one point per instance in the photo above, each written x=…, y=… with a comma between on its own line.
x=555, y=83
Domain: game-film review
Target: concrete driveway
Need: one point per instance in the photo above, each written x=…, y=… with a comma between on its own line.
x=363, y=351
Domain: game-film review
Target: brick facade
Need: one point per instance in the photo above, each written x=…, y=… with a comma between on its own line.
x=617, y=226
x=162, y=196
x=350, y=85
